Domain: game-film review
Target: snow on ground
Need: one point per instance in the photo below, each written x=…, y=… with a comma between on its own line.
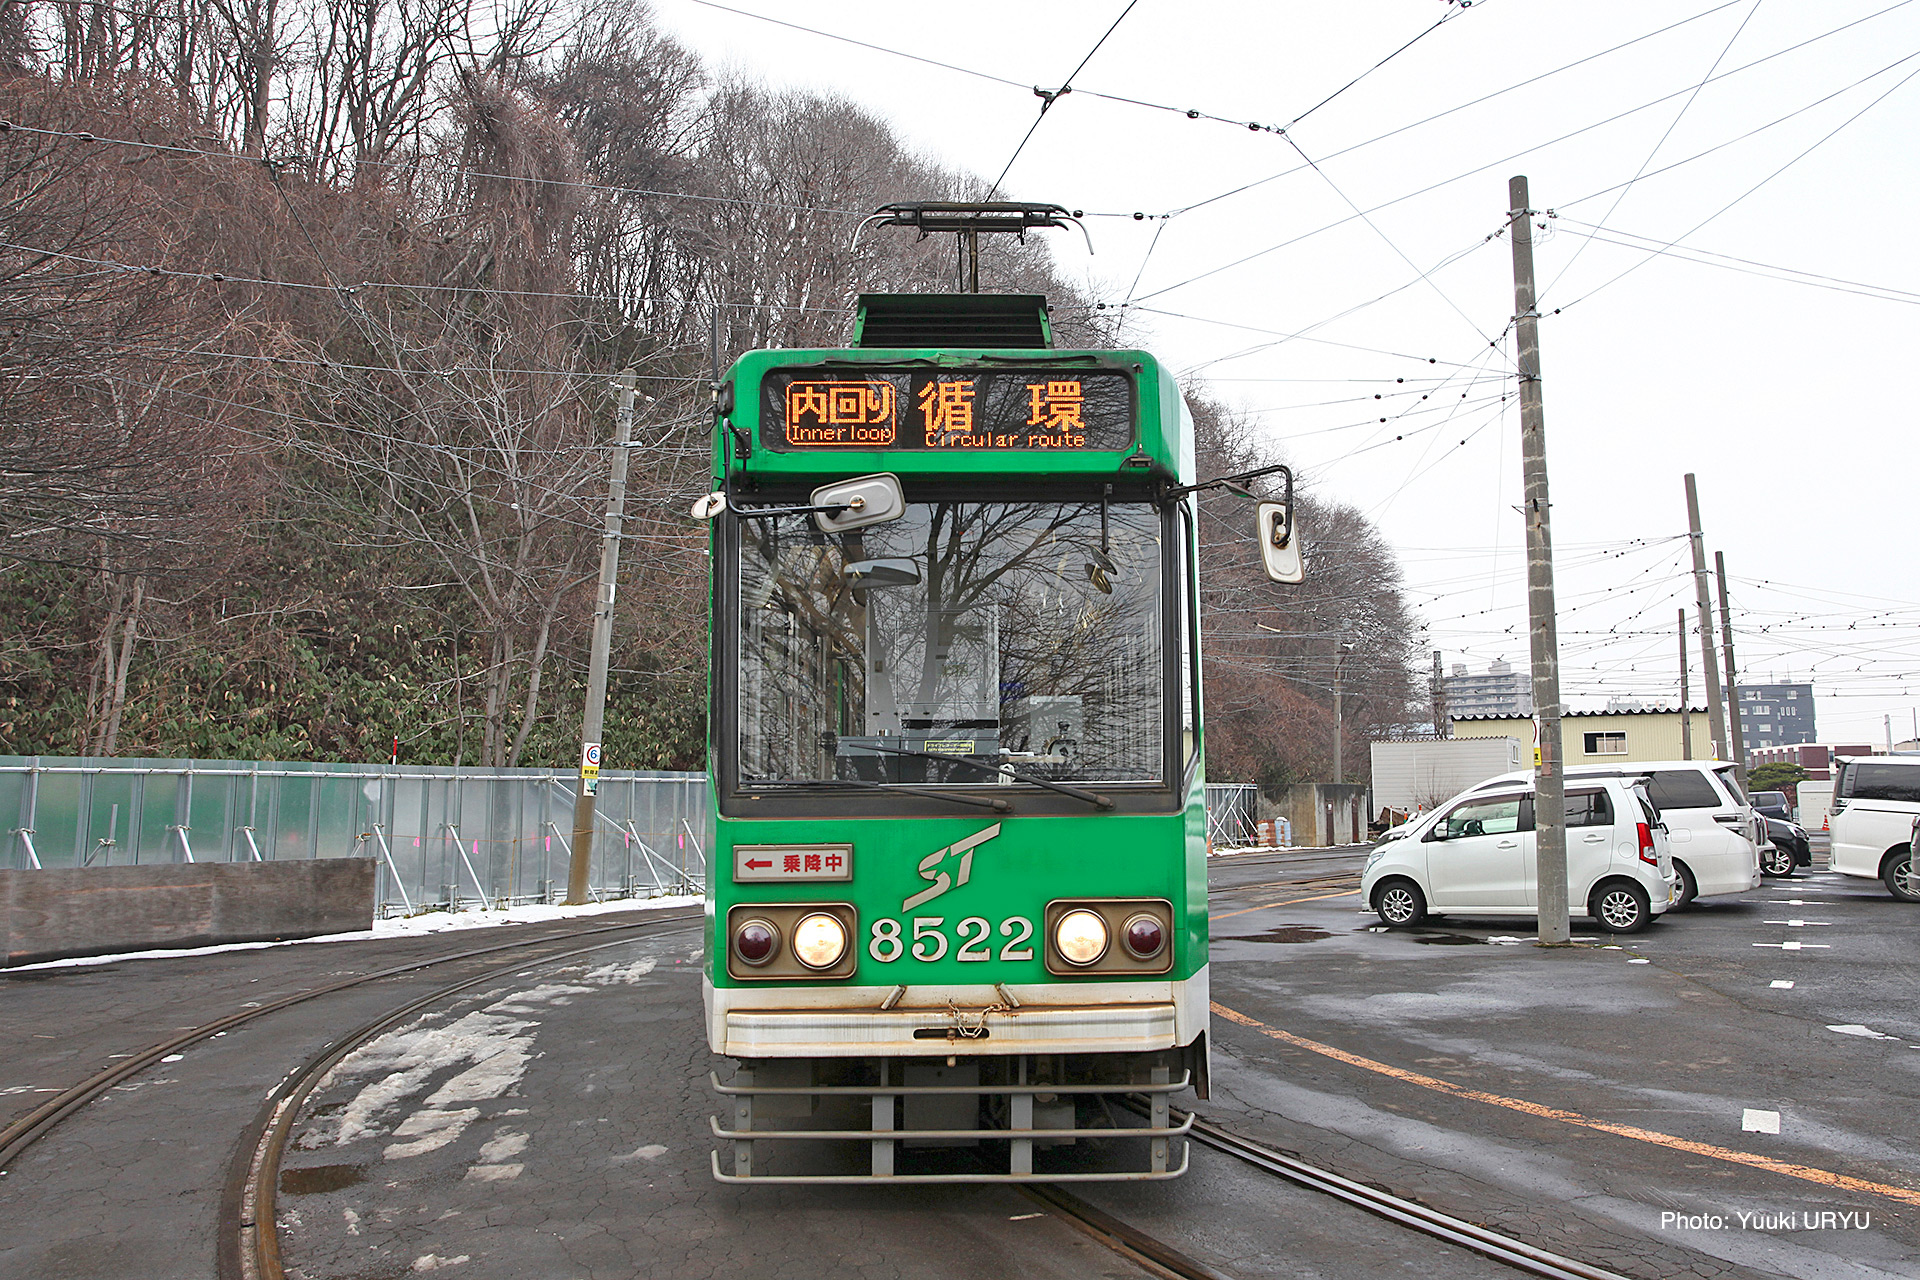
x=397, y=927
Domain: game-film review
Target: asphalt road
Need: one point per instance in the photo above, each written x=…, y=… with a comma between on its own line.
x=1597, y=1099
x=555, y=1123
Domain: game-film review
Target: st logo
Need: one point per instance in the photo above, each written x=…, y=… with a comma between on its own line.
x=938, y=879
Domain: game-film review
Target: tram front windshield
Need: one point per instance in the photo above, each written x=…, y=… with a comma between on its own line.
x=1019, y=634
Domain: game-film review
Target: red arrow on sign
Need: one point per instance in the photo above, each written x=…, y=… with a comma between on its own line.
x=751, y=864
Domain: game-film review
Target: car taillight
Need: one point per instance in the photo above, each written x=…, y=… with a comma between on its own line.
x=1647, y=854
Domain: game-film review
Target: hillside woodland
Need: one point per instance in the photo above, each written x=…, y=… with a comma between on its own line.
x=309, y=319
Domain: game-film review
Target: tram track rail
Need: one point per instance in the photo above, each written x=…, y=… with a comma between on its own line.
x=1167, y=1260
x=249, y=1235
x=22, y=1133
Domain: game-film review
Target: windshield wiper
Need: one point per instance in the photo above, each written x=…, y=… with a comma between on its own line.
x=1093, y=798
x=861, y=784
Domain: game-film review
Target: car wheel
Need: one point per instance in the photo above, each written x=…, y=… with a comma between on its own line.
x=1901, y=877
x=1621, y=907
x=1689, y=887
x=1778, y=860
x=1400, y=903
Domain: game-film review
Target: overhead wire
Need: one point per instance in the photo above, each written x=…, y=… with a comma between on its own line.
x=1049, y=97
x=1525, y=151
x=1731, y=204
x=1661, y=142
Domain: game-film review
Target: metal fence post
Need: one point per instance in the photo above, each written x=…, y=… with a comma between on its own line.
x=29, y=807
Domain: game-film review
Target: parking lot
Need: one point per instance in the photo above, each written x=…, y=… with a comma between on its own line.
x=1733, y=1089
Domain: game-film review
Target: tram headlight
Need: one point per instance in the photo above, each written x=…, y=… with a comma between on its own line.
x=819, y=941
x=1080, y=937
x=756, y=941
x=1143, y=936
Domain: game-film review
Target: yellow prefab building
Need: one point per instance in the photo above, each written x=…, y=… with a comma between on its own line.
x=1602, y=737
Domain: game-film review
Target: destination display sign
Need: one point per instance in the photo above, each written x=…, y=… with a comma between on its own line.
x=948, y=410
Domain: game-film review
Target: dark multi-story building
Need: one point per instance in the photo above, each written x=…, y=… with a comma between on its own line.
x=1776, y=715
x=1502, y=691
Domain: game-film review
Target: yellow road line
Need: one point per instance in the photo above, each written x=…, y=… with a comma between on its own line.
x=1228, y=915
x=1804, y=1172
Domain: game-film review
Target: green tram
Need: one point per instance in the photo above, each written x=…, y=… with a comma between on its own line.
x=957, y=904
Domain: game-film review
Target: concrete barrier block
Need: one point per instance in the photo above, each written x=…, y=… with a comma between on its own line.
x=59, y=912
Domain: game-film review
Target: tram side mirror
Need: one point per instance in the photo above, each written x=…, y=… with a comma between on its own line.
x=892, y=572
x=1279, y=542
x=862, y=501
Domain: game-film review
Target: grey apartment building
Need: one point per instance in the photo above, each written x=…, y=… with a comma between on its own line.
x=1776, y=715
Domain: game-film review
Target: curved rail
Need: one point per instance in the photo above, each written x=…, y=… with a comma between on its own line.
x=27, y=1130
x=250, y=1238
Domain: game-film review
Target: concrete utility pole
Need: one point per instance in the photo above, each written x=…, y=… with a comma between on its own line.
x=1441, y=729
x=1733, y=683
x=1686, y=713
x=1709, y=668
x=1549, y=782
x=580, y=864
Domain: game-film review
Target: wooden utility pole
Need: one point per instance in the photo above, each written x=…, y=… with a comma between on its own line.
x=1686, y=712
x=1709, y=667
x=1733, y=684
x=580, y=861
x=1549, y=782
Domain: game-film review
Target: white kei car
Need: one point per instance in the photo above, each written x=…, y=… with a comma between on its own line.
x=1474, y=856
x=1715, y=835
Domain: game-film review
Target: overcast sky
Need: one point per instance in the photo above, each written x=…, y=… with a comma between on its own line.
x=1304, y=273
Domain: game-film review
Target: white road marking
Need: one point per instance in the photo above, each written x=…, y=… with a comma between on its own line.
x=1752, y=1121
x=1796, y=946
x=1639, y=962
x=1780, y=985
x=1855, y=1029
x=1797, y=924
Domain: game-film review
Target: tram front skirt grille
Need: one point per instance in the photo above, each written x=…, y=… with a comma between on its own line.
x=1024, y=1104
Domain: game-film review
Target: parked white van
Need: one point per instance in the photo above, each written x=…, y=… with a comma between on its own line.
x=1715, y=834
x=1876, y=802
x=1474, y=855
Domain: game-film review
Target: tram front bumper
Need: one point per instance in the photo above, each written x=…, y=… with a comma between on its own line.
x=1131, y=1017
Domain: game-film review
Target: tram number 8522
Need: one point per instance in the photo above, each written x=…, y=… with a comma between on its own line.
x=888, y=940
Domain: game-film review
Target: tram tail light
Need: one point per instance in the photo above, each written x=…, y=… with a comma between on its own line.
x=1648, y=854
x=1109, y=937
x=756, y=941
x=1143, y=935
